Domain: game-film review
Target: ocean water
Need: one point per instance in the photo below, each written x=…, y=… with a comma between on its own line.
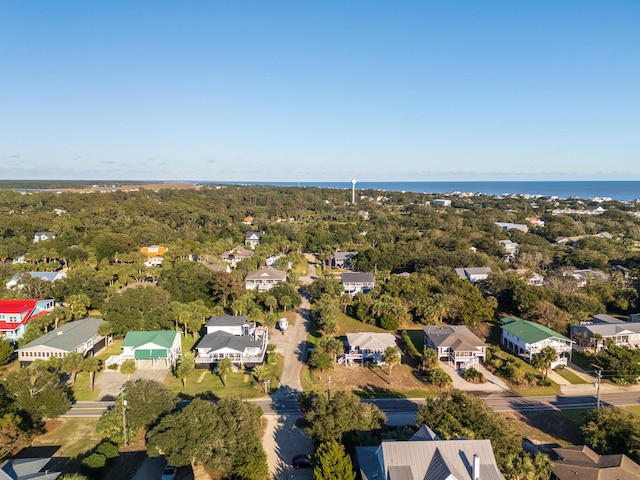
x=616, y=190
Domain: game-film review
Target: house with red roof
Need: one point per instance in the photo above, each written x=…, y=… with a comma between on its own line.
x=15, y=315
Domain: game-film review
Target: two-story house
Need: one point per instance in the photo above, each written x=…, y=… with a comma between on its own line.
x=232, y=337
x=527, y=339
x=42, y=236
x=16, y=314
x=455, y=344
x=264, y=279
x=253, y=238
x=155, y=255
x=357, y=282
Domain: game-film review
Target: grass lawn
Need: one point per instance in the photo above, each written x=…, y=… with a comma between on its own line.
x=113, y=349
x=417, y=337
x=581, y=360
x=553, y=389
x=347, y=324
x=82, y=390
x=240, y=384
x=561, y=427
x=570, y=376
x=74, y=436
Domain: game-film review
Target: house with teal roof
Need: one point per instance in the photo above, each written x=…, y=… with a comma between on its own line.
x=526, y=339
x=153, y=348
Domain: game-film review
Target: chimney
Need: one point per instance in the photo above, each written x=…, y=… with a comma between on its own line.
x=475, y=475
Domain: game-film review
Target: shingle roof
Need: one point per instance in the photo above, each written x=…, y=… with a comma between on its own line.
x=530, y=332
x=344, y=255
x=370, y=340
x=267, y=273
x=162, y=338
x=459, y=337
x=219, y=340
x=69, y=336
x=583, y=463
x=357, y=277
x=227, y=321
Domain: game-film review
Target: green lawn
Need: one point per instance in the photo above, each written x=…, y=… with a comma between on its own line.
x=570, y=376
x=581, y=360
x=74, y=436
x=347, y=324
x=417, y=337
x=240, y=384
x=81, y=389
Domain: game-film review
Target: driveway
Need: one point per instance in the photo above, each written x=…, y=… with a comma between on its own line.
x=282, y=440
x=109, y=383
x=493, y=384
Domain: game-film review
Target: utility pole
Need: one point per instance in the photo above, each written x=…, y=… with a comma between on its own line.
x=599, y=373
x=124, y=421
x=329, y=388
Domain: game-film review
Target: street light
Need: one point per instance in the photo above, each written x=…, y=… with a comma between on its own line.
x=329, y=388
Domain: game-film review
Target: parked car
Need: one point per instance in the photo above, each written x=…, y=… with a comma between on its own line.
x=169, y=473
x=301, y=461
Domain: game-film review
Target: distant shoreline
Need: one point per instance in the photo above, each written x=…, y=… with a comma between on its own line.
x=620, y=190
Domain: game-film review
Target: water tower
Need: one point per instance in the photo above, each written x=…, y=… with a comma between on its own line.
x=353, y=191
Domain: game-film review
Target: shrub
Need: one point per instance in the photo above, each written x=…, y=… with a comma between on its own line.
x=411, y=348
x=390, y=322
x=95, y=461
x=439, y=377
x=473, y=376
x=108, y=449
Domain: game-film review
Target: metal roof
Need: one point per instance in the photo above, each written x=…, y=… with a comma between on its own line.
x=69, y=336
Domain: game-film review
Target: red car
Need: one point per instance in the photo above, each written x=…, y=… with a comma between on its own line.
x=301, y=461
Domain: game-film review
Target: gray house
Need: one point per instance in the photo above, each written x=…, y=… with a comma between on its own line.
x=343, y=259
x=455, y=344
x=356, y=282
x=425, y=456
x=79, y=336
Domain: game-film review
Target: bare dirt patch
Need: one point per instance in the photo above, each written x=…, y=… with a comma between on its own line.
x=371, y=379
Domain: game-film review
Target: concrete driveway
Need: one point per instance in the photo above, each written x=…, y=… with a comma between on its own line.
x=109, y=382
x=493, y=385
x=282, y=441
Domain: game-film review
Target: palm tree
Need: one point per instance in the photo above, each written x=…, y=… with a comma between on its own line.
x=224, y=368
x=543, y=360
x=391, y=357
x=72, y=364
x=91, y=365
x=185, y=367
x=128, y=368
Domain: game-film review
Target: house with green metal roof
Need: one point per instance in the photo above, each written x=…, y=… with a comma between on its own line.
x=152, y=348
x=526, y=339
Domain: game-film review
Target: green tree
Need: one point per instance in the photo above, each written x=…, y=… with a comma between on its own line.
x=72, y=364
x=139, y=309
x=224, y=368
x=128, y=368
x=320, y=360
x=613, y=430
x=224, y=436
x=6, y=351
x=331, y=346
x=457, y=415
x=185, y=366
x=391, y=357
x=79, y=304
x=330, y=462
x=39, y=390
x=92, y=365
x=187, y=281
x=340, y=418
x=543, y=360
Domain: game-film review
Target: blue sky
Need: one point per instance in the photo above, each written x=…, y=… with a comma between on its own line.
x=320, y=90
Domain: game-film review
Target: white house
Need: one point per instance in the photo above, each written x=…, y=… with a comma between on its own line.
x=42, y=236
x=473, y=274
x=527, y=339
x=18, y=278
x=357, y=282
x=442, y=202
x=150, y=345
x=264, y=279
x=605, y=327
x=510, y=247
x=232, y=337
x=253, y=238
x=232, y=324
x=455, y=344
